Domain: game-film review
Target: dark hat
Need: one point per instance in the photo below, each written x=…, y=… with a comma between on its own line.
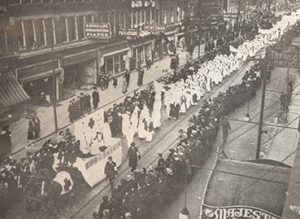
x=110, y=158
x=172, y=150
x=132, y=144
x=160, y=154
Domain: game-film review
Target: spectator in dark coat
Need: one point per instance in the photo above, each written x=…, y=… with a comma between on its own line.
x=110, y=170
x=133, y=156
x=96, y=98
x=36, y=125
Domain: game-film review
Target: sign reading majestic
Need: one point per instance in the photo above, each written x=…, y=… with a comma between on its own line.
x=142, y=3
x=98, y=30
x=236, y=212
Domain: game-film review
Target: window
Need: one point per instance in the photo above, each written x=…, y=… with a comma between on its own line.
x=165, y=16
x=71, y=28
x=49, y=31
x=39, y=29
x=28, y=27
x=172, y=15
x=80, y=27
x=61, y=35
x=109, y=65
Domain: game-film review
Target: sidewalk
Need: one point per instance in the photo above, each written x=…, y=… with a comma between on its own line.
x=107, y=97
x=278, y=142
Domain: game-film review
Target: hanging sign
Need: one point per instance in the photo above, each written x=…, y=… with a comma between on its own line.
x=98, y=30
x=142, y=3
x=236, y=212
x=154, y=28
x=129, y=32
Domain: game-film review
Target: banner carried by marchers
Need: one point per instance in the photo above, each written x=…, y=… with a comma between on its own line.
x=236, y=212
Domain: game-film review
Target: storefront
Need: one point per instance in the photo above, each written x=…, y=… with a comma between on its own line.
x=114, y=59
x=80, y=72
x=41, y=81
x=141, y=53
x=115, y=64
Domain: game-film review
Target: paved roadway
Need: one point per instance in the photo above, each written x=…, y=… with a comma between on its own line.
x=196, y=186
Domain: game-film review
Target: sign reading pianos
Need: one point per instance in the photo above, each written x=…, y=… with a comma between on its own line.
x=98, y=30
x=236, y=212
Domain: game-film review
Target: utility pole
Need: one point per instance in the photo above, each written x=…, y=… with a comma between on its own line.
x=199, y=27
x=261, y=116
x=54, y=90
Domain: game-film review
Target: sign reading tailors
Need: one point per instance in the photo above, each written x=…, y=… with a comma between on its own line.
x=97, y=30
x=129, y=32
x=236, y=212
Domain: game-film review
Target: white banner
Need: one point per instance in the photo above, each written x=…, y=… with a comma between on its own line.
x=92, y=168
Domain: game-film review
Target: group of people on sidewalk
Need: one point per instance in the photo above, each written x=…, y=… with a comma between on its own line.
x=83, y=105
x=34, y=128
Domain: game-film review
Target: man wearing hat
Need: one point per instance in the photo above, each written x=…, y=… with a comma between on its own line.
x=110, y=170
x=133, y=156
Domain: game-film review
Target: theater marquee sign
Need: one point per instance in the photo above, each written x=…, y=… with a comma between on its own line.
x=236, y=212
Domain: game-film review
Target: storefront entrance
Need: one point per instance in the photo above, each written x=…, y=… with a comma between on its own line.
x=40, y=90
x=82, y=75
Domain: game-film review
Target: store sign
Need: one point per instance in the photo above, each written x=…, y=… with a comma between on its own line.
x=129, y=32
x=142, y=3
x=236, y=212
x=98, y=30
x=155, y=28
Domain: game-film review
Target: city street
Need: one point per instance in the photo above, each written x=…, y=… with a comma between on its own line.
x=107, y=98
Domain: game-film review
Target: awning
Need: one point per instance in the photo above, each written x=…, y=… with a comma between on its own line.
x=11, y=92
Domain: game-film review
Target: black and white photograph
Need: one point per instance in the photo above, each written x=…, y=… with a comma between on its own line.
x=149, y=109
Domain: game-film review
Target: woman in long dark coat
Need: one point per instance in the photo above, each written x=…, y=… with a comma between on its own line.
x=133, y=156
x=30, y=131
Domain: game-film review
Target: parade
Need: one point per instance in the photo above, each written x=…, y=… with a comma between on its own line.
x=101, y=139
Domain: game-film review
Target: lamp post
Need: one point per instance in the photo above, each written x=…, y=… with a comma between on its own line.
x=54, y=89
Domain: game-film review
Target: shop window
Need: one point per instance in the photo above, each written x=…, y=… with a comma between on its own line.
x=123, y=62
x=36, y=1
x=117, y=64
x=71, y=28
x=109, y=65
x=80, y=27
x=49, y=31
x=28, y=27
